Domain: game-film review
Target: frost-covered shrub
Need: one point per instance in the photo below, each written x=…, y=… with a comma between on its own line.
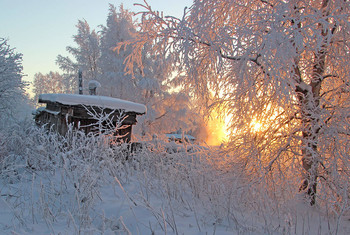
x=63, y=181
x=63, y=173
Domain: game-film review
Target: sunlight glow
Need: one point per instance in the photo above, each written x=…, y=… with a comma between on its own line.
x=256, y=125
x=217, y=129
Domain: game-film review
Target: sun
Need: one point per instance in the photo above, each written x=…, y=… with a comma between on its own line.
x=217, y=129
x=256, y=126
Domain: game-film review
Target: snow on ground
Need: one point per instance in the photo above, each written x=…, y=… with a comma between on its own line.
x=80, y=185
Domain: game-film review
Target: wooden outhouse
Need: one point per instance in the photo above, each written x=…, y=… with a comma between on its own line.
x=82, y=111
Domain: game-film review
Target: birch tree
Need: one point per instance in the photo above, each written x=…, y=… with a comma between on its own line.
x=280, y=70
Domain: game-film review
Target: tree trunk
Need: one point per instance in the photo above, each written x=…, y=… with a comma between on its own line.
x=310, y=160
x=309, y=99
x=310, y=164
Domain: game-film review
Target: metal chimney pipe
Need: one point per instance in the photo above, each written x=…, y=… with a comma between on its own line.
x=80, y=82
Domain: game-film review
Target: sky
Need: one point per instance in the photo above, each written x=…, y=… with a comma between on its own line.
x=42, y=29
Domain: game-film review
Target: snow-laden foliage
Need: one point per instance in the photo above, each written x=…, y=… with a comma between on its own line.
x=280, y=65
x=166, y=111
x=80, y=184
x=86, y=56
x=11, y=84
x=115, y=83
x=53, y=82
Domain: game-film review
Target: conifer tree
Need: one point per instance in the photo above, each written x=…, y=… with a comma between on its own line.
x=85, y=57
x=114, y=81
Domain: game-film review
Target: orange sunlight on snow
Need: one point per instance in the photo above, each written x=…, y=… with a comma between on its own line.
x=217, y=129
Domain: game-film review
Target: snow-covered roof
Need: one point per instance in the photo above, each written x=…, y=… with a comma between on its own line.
x=38, y=110
x=43, y=109
x=92, y=100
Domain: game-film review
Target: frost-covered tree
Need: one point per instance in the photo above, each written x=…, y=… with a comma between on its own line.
x=166, y=113
x=149, y=86
x=115, y=83
x=85, y=57
x=169, y=109
x=53, y=82
x=11, y=84
x=282, y=66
